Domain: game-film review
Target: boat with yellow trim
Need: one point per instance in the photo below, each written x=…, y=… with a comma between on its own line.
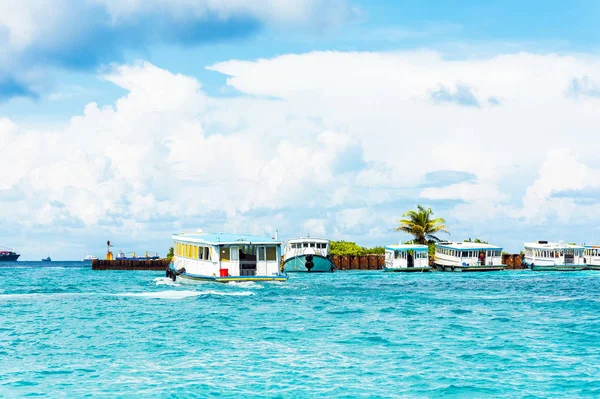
x=225, y=258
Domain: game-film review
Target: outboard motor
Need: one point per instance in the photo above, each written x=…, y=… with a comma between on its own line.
x=309, y=264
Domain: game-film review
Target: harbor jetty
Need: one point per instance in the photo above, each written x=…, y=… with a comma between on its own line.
x=341, y=262
x=377, y=262
x=156, y=265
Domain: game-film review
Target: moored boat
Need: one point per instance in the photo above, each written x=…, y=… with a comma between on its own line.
x=307, y=255
x=592, y=257
x=8, y=255
x=468, y=257
x=554, y=256
x=89, y=258
x=225, y=258
x=406, y=258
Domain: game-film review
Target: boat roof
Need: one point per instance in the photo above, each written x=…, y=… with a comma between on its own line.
x=469, y=246
x=223, y=238
x=406, y=247
x=308, y=239
x=550, y=245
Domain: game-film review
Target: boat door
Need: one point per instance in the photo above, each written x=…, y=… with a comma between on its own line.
x=410, y=258
x=234, y=261
x=261, y=261
x=569, y=258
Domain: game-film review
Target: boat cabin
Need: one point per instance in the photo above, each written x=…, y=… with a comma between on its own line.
x=465, y=254
x=591, y=255
x=544, y=253
x=226, y=255
x=306, y=246
x=406, y=256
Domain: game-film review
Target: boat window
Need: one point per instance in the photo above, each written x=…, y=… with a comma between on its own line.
x=271, y=253
x=312, y=244
x=225, y=254
x=305, y=245
x=207, y=253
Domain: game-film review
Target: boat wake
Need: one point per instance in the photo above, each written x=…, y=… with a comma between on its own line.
x=166, y=281
x=162, y=294
x=245, y=284
x=180, y=294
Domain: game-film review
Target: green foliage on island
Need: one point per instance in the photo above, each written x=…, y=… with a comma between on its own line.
x=351, y=248
x=171, y=253
x=476, y=241
x=421, y=226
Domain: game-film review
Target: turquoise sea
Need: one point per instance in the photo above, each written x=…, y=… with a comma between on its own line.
x=69, y=332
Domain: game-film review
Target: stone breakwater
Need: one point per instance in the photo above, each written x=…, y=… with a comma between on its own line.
x=159, y=264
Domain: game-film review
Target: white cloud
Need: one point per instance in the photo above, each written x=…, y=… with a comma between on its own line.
x=345, y=139
x=561, y=171
x=468, y=192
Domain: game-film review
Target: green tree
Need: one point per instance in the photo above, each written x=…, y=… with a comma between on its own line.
x=171, y=253
x=476, y=241
x=420, y=224
x=345, y=248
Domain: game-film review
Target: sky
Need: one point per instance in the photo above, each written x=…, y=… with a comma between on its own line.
x=130, y=120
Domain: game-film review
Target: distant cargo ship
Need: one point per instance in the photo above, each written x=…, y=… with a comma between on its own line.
x=147, y=256
x=8, y=255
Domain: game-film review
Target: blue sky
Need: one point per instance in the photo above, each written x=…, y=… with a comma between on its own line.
x=329, y=117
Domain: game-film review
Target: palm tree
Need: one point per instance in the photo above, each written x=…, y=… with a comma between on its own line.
x=421, y=226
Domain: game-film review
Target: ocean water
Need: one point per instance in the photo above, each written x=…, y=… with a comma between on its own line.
x=69, y=332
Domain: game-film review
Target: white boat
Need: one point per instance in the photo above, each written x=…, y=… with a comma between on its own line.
x=554, y=256
x=307, y=254
x=406, y=258
x=591, y=258
x=468, y=257
x=89, y=258
x=225, y=258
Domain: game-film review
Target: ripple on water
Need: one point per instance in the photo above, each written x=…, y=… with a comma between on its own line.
x=80, y=333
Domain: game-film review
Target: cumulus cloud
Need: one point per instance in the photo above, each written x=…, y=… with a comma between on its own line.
x=351, y=140
x=88, y=33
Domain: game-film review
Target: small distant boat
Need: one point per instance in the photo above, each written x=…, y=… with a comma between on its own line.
x=468, y=257
x=406, y=258
x=225, y=258
x=307, y=255
x=148, y=256
x=8, y=255
x=554, y=256
x=89, y=258
x=47, y=259
x=592, y=257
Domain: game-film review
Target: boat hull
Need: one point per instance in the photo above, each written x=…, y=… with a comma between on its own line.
x=9, y=258
x=558, y=268
x=321, y=264
x=191, y=278
x=407, y=269
x=229, y=279
x=470, y=269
